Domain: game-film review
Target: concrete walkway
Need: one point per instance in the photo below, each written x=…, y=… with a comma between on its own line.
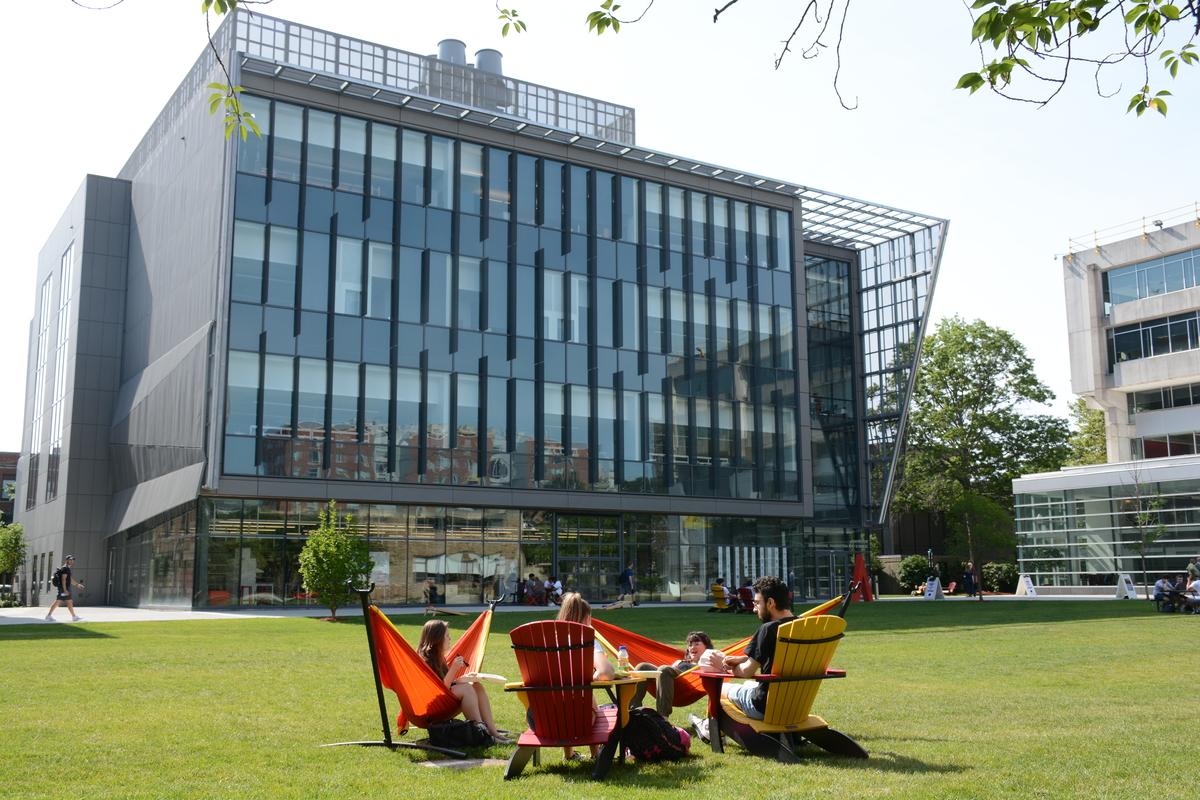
x=27, y=616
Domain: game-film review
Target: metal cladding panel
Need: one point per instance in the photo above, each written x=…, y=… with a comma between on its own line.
x=177, y=225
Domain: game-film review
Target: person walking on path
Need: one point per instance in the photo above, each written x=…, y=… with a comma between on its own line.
x=626, y=583
x=62, y=585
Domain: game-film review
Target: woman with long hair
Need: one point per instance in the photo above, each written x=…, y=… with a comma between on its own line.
x=473, y=700
x=575, y=609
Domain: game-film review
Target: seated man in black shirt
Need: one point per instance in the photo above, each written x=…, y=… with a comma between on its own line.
x=773, y=604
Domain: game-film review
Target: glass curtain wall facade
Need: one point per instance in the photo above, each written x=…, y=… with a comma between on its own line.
x=407, y=307
x=154, y=564
x=248, y=553
x=896, y=283
x=831, y=389
x=1086, y=537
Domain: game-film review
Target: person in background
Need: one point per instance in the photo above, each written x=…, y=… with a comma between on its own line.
x=745, y=596
x=535, y=590
x=626, y=582
x=721, y=597
x=62, y=587
x=1191, y=597
x=472, y=698
x=575, y=609
x=968, y=580
x=554, y=590
x=1193, y=570
x=698, y=643
x=1165, y=592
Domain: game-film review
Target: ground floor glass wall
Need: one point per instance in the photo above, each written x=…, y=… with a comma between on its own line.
x=1086, y=537
x=248, y=552
x=154, y=563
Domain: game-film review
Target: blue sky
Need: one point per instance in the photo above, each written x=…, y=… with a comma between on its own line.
x=1016, y=182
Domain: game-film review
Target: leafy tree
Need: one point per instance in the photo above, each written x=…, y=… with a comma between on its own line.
x=913, y=571
x=1000, y=576
x=1040, y=41
x=967, y=438
x=12, y=549
x=1087, y=437
x=1143, y=507
x=334, y=558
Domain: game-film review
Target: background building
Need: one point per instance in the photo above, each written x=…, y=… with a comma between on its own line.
x=1133, y=313
x=474, y=311
x=8, y=484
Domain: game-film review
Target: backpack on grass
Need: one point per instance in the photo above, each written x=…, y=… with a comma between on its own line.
x=651, y=737
x=460, y=733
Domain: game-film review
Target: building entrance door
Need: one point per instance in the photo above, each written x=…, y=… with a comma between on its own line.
x=588, y=555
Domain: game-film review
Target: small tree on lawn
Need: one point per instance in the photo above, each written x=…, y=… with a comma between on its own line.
x=334, y=558
x=12, y=550
x=1146, y=523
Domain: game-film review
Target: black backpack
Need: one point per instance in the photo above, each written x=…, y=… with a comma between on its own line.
x=56, y=582
x=650, y=736
x=460, y=733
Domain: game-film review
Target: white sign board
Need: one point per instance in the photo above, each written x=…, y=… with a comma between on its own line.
x=1125, y=590
x=1025, y=587
x=933, y=589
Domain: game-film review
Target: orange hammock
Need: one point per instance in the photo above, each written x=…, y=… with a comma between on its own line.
x=688, y=688
x=423, y=697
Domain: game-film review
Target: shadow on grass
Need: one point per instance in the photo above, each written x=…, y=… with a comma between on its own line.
x=38, y=631
x=888, y=761
x=663, y=775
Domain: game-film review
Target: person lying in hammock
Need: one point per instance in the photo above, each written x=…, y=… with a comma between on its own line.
x=698, y=651
x=473, y=699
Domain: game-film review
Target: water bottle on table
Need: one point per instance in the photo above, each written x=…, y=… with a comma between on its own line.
x=622, y=659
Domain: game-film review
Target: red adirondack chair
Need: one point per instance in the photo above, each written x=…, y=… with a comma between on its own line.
x=556, y=663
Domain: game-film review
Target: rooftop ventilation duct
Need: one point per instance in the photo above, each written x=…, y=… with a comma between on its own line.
x=489, y=61
x=453, y=50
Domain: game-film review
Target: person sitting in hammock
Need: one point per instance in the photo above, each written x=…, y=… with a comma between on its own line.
x=699, y=650
x=473, y=699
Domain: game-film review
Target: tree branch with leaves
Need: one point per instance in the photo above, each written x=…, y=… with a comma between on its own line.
x=1039, y=42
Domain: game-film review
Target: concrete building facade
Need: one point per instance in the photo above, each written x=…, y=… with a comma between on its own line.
x=473, y=311
x=1133, y=318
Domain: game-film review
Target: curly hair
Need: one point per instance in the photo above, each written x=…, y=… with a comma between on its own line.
x=771, y=587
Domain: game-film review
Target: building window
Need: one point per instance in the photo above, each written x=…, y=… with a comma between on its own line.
x=58, y=403
x=1150, y=278
x=497, y=259
x=42, y=345
x=1155, y=337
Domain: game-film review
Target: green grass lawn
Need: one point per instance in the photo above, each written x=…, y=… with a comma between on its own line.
x=953, y=700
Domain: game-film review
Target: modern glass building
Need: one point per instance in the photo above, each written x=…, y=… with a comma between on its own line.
x=474, y=312
x=1132, y=310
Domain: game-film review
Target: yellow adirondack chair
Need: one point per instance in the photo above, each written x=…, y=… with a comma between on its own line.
x=803, y=650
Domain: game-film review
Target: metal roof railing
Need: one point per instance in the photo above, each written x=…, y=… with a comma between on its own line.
x=290, y=51
x=1137, y=227
x=305, y=48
